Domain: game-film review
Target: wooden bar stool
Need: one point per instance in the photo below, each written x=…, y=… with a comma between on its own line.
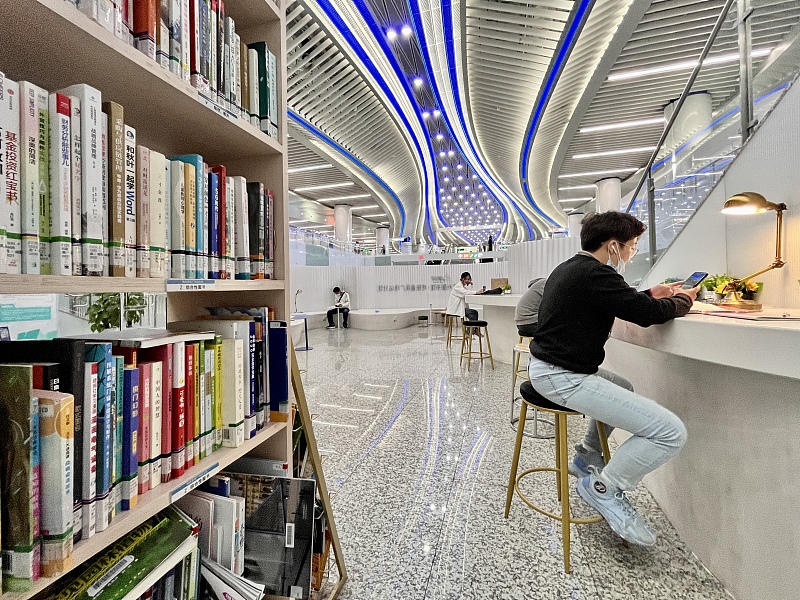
x=449, y=321
x=520, y=350
x=468, y=328
x=531, y=397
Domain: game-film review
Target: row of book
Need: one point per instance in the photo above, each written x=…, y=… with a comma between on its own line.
x=96, y=424
x=82, y=198
x=197, y=41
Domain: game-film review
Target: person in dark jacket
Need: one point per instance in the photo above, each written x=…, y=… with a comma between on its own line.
x=581, y=300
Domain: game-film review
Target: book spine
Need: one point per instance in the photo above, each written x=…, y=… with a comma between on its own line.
x=130, y=201
x=221, y=172
x=200, y=404
x=190, y=195
x=242, y=229
x=221, y=52
x=158, y=212
x=166, y=412
x=186, y=40
x=29, y=176
x=76, y=155
x=217, y=396
x=89, y=495
x=36, y=476
x=202, y=204
x=9, y=120
x=213, y=229
x=203, y=46
x=234, y=58
x=112, y=417
x=104, y=170
x=195, y=428
x=143, y=203
x=43, y=107
x=252, y=77
x=102, y=356
x=156, y=412
x=56, y=436
x=237, y=72
x=244, y=77
x=175, y=30
x=255, y=198
x=208, y=404
x=119, y=424
x=269, y=235
x=194, y=47
x=278, y=371
x=178, y=219
x=188, y=431
x=144, y=434
x=130, y=446
x=213, y=29
x=273, y=94
x=178, y=408
x=230, y=229
x=162, y=31
x=145, y=22
x=261, y=370
x=262, y=77
x=233, y=393
x=3, y=204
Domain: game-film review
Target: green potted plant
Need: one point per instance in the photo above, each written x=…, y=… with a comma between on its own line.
x=506, y=288
x=104, y=312
x=714, y=287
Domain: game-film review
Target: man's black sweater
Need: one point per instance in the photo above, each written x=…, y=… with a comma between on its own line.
x=580, y=302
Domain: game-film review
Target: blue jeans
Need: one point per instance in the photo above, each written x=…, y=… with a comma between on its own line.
x=658, y=434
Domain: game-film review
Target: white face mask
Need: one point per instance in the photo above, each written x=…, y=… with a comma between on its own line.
x=619, y=267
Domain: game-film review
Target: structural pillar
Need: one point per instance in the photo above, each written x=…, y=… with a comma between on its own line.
x=694, y=115
x=343, y=222
x=574, y=224
x=609, y=194
x=382, y=239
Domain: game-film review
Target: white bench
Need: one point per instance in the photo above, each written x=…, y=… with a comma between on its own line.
x=369, y=319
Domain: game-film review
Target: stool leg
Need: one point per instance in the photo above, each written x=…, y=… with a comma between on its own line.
x=558, y=456
x=512, y=478
x=480, y=346
x=469, y=357
x=514, y=356
x=563, y=483
x=601, y=431
x=449, y=325
x=463, y=344
x=489, y=346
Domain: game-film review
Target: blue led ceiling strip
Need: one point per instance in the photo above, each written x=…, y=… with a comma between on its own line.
x=577, y=19
x=449, y=40
x=345, y=32
x=318, y=133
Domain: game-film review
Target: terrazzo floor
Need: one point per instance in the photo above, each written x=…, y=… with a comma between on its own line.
x=417, y=451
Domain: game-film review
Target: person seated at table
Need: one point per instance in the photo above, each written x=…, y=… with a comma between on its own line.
x=456, y=305
x=582, y=298
x=526, y=314
x=341, y=305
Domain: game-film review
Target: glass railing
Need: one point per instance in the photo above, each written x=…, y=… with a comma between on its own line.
x=682, y=173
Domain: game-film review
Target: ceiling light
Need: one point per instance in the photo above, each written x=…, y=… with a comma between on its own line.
x=298, y=221
x=622, y=125
x=442, y=154
x=337, y=198
x=605, y=172
x=451, y=152
x=406, y=31
x=685, y=65
x=444, y=168
x=437, y=113
x=323, y=187
x=439, y=136
x=366, y=206
x=418, y=82
x=391, y=34
x=578, y=187
x=375, y=215
x=585, y=199
x=460, y=166
x=446, y=179
x=426, y=114
x=317, y=227
x=615, y=152
x=309, y=168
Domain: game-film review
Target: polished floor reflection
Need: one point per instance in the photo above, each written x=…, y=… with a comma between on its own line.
x=416, y=454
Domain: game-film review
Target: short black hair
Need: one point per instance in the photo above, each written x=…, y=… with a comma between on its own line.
x=336, y=290
x=464, y=275
x=598, y=228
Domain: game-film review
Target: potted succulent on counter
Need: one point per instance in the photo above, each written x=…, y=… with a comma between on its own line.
x=506, y=289
x=714, y=287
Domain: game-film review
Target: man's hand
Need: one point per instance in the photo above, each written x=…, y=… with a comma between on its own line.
x=692, y=293
x=666, y=290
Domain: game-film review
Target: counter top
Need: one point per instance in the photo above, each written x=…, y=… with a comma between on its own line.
x=494, y=299
x=767, y=346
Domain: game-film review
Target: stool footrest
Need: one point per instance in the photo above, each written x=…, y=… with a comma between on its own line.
x=540, y=509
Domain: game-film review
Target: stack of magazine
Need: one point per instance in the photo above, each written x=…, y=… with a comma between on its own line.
x=219, y=583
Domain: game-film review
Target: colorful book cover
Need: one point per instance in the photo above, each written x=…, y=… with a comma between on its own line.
x=233, y=368
x=197, y=348
x=116, y=187
x=60, y=185
x=159, y=210
x=256, y=223
x=208, y=418
x=200, y=399
x=178, y=409
x=57, y=439
x=178, y=218
x=101, y=354
x=16, y=486
x=119, y=422
x=77, y=183
x=11, y=150
x=190, y=397
x=156, y=411
x=143, y=202
x=130, y=201
x=145, y=21
x=213, y=229
x=29, y=176
x=89, y=442
x=163, y=354
x=37, y=489
x=221, y=172
x=143, y=439
x=130, y=438
x=43, y=105
x=230, y=230
x=242, y=228
x=278, y=371
x=104, y=170
x=194, y=181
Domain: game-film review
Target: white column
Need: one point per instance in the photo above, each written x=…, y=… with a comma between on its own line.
x=609, y=194
x=382, y=239
x=343, y=222
x=695, y=114
x=574, y=224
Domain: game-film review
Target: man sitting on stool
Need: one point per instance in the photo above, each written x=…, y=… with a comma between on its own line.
x=342, y=305
x=456, y=306
x=527, y=312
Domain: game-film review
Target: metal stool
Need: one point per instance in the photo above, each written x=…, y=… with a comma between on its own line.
x=523, y=348
x=448, y=322
x=468, y=328
x=534, y=399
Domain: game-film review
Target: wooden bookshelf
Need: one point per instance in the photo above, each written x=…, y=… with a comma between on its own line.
x=164, y=495
x=65, y=284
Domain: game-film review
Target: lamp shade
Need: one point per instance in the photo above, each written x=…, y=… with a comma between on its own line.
x=747, y=203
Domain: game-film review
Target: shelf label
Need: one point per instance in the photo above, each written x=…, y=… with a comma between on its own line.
x=194, y=483
x=217, y=108
x=189, y=285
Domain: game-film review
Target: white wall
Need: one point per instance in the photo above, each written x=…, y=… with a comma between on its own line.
x=529, y=260
x=740, y=245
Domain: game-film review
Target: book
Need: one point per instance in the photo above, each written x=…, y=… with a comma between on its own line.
x=213, y=31
x=168, y=219
x=143, y=185
x=156, y=411
x=204, y=258
x=144, y=434
x=233, y=368
x=178, y=408
x=204, y=46
x=256, y=208
x=178, y=219
x=12, y=211
x=104, y=170
x=101, y=354
x=230, y=230
x=116, y=188
x=199, y=399
x=43, y=106
x=186, y=40
x=77, y=183
x=225, y=523
x=17, y=483
x=269, y=234
x=162, y=35
x=190, y=214
x=278, y=371
x=242, y=228
x=57, y=439
x=220, y=44
x=195, y=202
x=145, y=21
x=91, y=178
x=213, y=229
x=175, y=33
x=163, y=354
x=262, y=83
x=244, y=81
x=189, y=412
x=253, y=82
x=201, y=510
x=216, y=388
x=130, y=201
x=130, y=445
x=3, y=203
x=221, y=172
x=29, y=176
x=60, y=185
x=159, y=208
x=195, y=28
x=272, y=84
x=119, y=421
x=89, y=443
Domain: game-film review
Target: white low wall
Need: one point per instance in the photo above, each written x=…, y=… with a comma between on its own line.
x=530, y=260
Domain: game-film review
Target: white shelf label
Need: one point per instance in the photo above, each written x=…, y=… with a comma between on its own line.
x=194, y=483
x=189, y=285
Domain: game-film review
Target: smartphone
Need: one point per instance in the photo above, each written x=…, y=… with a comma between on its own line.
x=694, y=280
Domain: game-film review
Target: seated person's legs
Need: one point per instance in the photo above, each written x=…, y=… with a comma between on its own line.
x=331, y=312
x=527, y=330
x=471, y=314
x=345, y=314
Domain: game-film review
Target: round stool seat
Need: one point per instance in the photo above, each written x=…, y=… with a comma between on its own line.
x=476, y=323
x=531, y=396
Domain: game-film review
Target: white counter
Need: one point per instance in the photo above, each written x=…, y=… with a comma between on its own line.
x=498, y=311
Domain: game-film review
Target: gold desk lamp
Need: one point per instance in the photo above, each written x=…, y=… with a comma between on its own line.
x=748, y=203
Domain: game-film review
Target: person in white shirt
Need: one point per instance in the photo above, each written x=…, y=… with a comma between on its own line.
x=456, y=305
x=342, y=305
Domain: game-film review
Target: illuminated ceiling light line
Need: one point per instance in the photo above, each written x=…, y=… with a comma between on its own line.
x=577, y=187
x=327, y=186
x=350, y=157
x=620, y=152
x=309, y=168
x=685, y=65
x=622, y=125
x=578, y=17
x=603, y=172
x=351, y=197
x=366, y=206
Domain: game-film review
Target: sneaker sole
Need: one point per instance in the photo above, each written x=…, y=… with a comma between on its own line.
x=586, y=497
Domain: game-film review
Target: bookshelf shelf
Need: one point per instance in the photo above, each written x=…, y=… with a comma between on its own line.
x=155, y=501
x=54, y=45
x=66, y=284
x=224, y=285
